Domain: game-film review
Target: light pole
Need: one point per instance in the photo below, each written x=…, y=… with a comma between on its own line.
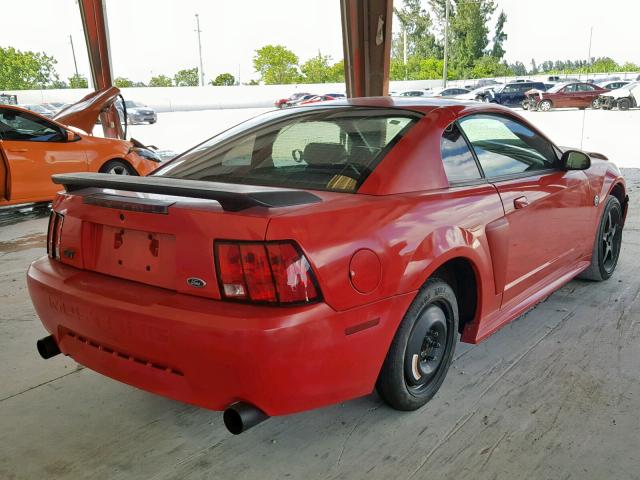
x=198, y=31
x=73, y=52
x=446, y=43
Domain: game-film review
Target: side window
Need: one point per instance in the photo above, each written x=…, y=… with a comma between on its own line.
x=24, y=127
x=505, y=147
x=586, y=88
x=510, y=89
x=458, y=161
x=570, y=89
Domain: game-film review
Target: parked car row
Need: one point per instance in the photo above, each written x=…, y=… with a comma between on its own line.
x=302, y=98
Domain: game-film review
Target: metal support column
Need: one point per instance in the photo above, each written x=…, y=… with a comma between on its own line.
x=366, y=36
x=96, y=33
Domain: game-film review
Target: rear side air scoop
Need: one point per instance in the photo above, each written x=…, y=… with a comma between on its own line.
x=232, y=197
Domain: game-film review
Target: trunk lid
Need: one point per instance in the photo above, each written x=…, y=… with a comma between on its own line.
x=159, y=239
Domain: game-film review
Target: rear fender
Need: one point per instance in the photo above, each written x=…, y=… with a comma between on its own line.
x=448, y=243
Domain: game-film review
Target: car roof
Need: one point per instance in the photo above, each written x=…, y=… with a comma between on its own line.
x=421, y=104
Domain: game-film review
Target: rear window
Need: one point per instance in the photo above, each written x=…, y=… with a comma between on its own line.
x=316, y=148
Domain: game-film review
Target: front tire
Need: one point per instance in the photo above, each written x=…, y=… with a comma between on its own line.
x=118, y=167
x=624, y=104
x=607, y=245
x=422, y=348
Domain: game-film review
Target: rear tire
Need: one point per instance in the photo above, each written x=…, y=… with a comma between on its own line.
x=118, y=167
x=607, y=244
x=422, y=348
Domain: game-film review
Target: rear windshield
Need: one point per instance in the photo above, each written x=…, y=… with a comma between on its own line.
x=314, y=148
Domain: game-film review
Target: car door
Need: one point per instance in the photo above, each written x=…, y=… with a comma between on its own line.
x=506, y=97
x=587, y=94
x=563, y=97
x=35, y=149
x=550, y=212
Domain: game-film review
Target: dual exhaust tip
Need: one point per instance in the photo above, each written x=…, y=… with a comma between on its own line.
x=238, y=417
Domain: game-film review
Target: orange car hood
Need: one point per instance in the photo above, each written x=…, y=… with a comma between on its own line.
x=84, y=114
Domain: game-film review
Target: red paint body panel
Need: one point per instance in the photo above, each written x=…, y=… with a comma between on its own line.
x=122, y=304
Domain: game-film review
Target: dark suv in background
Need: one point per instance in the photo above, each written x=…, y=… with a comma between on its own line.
x=513, y=93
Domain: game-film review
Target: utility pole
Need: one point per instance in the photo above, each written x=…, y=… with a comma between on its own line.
x=198, y=31
x=404, y=49
x=73, y=52
x=446, y=43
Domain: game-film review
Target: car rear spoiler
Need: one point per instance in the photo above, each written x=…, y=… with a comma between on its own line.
x=232, y=197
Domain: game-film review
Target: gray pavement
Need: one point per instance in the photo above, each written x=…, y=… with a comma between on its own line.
x=553, y=395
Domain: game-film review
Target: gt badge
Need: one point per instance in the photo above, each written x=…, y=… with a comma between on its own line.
x=196, y=282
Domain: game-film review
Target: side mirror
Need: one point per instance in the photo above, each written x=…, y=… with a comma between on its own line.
x=575, y=160
x=70, y=136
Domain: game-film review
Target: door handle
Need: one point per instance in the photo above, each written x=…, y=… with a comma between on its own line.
x=16, y=149
x=521, y=202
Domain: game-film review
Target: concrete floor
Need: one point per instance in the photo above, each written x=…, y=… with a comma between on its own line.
x=553, y=395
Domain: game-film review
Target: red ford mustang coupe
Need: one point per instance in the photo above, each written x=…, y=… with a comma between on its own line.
x=310, y=255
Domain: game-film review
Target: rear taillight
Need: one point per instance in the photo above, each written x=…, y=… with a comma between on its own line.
x=54, y=232
x=265, y=272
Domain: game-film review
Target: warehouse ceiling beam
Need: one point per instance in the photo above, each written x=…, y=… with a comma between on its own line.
x=366, y=37
x=96, y=33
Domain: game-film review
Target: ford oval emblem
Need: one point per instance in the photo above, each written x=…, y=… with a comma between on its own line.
x=196, y=282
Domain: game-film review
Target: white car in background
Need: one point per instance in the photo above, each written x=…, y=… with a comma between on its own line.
x=447, y=92
x=479, y=93
x=623, y=98
x=416, y=92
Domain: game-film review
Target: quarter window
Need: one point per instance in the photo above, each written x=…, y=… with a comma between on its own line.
x=506, y=147
x=458, y=161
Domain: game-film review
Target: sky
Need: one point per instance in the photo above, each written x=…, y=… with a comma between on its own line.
x=151, y=37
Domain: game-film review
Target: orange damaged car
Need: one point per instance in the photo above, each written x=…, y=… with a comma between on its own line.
x=33, y=147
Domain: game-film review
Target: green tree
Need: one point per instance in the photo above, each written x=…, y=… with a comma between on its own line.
x=417, y=23
x=534, y=67
x=160, y=81
x=26, y=70
x=417, y=68
x=187, y=77
x=469, y=33
x=603, y=65
x=490, y=66
x=78, y=81
x=276, y=65
x=630, y=67
x=224, y=79
x=518, y=68
x=122, y=82
x=499, y=37
x=337, y=72
x=59, y=84
x=319, y=70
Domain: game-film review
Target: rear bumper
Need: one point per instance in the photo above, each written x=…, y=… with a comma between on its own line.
x=212, y=353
